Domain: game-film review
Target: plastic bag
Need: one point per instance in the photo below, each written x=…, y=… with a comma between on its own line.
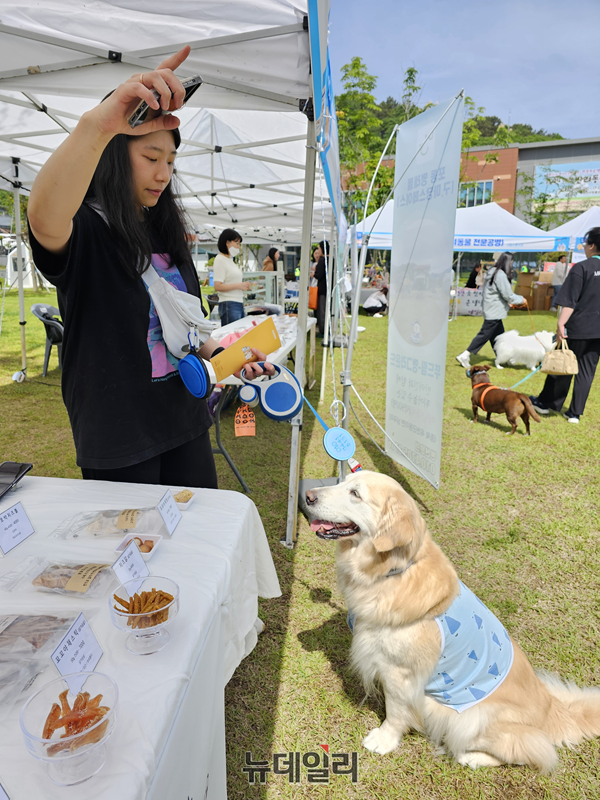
x=113, y=523
x=71, y=578
x=26, y=644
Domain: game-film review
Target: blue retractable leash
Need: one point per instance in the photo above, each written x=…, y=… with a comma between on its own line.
x=280, y=397
x=194, y=373
x=338, y=442
x=526, y=378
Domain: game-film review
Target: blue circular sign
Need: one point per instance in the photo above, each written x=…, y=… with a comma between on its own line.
x=339, y=444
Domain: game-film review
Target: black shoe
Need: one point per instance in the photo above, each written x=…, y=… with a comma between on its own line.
x=539, y=407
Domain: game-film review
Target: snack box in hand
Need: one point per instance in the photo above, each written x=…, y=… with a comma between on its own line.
x=184, y=498
x=149, y=543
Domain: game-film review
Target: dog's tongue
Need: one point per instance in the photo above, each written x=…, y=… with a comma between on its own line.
x=317, y=524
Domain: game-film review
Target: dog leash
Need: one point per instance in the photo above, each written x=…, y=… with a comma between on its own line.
x=526, y=378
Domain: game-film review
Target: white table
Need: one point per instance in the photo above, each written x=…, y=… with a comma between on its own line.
x=169, y=741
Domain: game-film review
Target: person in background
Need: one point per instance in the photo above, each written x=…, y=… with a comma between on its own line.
x=558, y=278
x=227, y=277
x=579, y=323
x=270, y=262
x=498, y=296
x=471, y=282
x=376, y=304
x=321, y=276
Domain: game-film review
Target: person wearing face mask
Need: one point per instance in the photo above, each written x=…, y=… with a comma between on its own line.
x=228, y=277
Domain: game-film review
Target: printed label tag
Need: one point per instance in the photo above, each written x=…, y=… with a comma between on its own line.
x=15, y=527
x=79, y=651
x=127, y=519
x=82, y=579
x=131, y=565
x=245, y=421
x=168, y=510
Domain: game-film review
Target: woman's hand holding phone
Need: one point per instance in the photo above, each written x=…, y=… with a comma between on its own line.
x=112, y=115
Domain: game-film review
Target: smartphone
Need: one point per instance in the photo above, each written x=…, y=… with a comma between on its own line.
x=143, y=112
x=10, y=474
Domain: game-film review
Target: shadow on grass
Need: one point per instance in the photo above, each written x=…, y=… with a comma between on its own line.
x=468, y=414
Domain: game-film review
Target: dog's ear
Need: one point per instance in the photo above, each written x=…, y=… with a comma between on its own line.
x=486, y=367
x=396, y=526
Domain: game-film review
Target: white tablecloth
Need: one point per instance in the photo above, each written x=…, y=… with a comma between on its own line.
x=169, y=741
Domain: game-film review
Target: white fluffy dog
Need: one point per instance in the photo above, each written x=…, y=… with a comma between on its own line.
x=528, y=350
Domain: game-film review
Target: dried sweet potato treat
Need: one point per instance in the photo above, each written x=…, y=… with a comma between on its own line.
x=85, y=714
x=51, y=721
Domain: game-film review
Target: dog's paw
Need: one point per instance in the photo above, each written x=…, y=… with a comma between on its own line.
x=498, y=366
x=478, y=759
x=380, y=741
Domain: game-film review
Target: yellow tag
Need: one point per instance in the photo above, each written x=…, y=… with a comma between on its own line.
x=127, y=519
x=82, y=579
x=245, y=421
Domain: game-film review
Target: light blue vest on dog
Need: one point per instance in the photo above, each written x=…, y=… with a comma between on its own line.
x=476, y=653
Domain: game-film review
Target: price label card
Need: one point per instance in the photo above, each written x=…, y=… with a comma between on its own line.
x=15, y=527
x=131, y=565
x=79, y=651
x=168, y=510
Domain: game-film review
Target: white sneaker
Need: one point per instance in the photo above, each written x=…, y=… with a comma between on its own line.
x=569, y=418
x=464, y=359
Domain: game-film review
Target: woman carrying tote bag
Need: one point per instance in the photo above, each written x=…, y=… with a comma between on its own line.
x=580, y=316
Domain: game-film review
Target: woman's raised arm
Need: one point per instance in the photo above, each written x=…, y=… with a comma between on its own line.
x=61, y=184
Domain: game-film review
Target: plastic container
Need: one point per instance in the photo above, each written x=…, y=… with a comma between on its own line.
x=185, y=506
x=147, y=631
x=76, y=758
x=156, y=538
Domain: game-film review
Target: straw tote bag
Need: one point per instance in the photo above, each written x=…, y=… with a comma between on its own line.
x=560, y=360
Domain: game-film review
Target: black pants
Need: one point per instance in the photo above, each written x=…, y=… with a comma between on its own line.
x=190, y=464
x=490, y=330
x=322, y=301
x=556, y=387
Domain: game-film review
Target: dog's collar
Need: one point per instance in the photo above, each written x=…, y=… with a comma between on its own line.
x=398, y=571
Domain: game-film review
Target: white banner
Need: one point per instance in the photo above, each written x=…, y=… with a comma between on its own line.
x=421, y=277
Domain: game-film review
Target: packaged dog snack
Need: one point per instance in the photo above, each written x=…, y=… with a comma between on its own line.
x=71, y=578
x=112, y=523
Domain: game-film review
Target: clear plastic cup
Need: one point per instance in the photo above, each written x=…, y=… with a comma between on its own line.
x=76, y=758
x=147, y=631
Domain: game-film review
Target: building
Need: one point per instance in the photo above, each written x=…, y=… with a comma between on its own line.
x=565, y=170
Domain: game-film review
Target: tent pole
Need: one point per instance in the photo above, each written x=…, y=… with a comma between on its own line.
x=309, y=196
x=19, y=377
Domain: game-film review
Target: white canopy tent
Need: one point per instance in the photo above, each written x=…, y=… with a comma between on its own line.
x=575, y=230
x=480, y=229
x=59, y=59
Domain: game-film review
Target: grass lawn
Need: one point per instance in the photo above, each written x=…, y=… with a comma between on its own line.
x=517, y=515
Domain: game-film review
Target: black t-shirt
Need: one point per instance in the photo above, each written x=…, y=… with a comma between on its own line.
x=321, y=276
x=122, y=389
x=581, y=291
x=471, y=281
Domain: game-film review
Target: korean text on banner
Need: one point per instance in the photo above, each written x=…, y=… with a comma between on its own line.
x=420, y=281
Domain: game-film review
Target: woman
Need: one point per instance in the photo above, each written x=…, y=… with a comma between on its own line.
x=101, y=208
x=472, y=280
x=227, y=277
x=498, y=296
x=579, y=317
x=321, y=275
x=270, y=262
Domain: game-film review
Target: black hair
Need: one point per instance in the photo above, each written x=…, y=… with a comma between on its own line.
x=272, y=252
x=504, y=264
x=228, y=235
x=593, y=237
x=112, y=189
x=563, y=256
x=324, y=247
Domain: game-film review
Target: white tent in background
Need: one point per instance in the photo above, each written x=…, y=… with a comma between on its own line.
x=480, y=229
x=575, y=230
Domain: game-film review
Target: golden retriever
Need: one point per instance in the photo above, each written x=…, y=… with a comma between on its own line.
x=396, y=582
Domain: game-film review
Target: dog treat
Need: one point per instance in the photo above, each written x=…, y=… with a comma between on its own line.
x=34, y=629
x=70, y=578
x=84, y=714
x=149, y=604
x=183, y=496
x=145, y=546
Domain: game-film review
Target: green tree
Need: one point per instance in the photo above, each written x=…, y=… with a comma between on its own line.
x=541, y=207
x=358, y=123
x=7, y=207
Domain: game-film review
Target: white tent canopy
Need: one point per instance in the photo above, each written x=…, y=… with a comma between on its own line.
x=480, y=229
x=577, y=227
